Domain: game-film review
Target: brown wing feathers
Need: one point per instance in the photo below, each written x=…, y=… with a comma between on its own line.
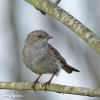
x=65, y=66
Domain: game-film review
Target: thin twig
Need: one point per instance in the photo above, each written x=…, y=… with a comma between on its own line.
x=57, y=1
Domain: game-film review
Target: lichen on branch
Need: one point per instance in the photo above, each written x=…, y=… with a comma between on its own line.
x=52, y=87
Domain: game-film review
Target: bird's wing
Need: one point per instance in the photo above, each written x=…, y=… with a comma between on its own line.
x=58, y=56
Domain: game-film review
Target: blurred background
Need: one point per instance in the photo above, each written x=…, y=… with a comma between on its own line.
x=18, y=18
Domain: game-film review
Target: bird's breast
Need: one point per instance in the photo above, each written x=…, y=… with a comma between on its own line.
x=40, y=61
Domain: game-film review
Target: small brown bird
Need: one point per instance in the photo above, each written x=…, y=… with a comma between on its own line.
x=42, y=58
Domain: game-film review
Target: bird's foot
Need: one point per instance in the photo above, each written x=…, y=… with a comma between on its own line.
x=34, y=84
x=45, y=84
x=36, y=81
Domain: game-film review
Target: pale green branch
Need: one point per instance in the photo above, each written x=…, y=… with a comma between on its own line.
x=52, y=87
x=68, y=20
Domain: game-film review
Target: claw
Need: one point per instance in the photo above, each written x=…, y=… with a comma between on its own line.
x=45, y=84
x=34, y=83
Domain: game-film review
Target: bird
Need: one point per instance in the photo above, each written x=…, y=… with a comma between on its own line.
x=42, y=58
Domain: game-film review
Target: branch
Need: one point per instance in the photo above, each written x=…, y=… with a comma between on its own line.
x=56, y=2
x=68, y=20
x=52, y=87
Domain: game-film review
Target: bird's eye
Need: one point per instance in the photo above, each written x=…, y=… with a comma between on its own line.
x=39, y=36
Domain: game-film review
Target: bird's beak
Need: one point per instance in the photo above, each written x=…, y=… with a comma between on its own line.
x=49, y=37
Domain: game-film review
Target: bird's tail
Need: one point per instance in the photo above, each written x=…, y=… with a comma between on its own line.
x=69, y=69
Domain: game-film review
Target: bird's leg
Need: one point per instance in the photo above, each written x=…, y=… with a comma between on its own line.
x=36, y=81
x=47, y=83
